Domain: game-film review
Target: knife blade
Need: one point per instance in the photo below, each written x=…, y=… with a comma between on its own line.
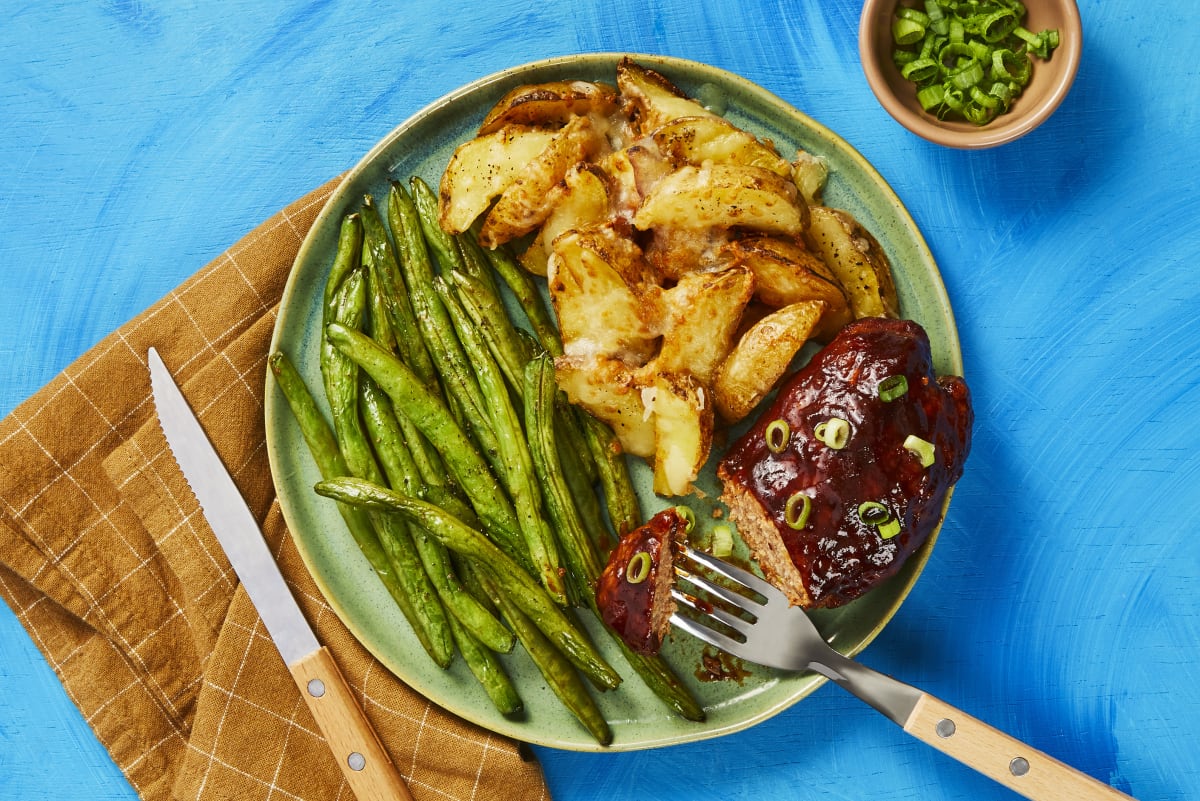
x=356, y=746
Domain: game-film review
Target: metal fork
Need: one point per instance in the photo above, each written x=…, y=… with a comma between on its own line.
x=759, y=624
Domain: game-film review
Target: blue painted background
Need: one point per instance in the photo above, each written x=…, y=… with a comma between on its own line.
x=139, y=139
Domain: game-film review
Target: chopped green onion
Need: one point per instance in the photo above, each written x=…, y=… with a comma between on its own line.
x=1010, y=66
x=967, y=76
x=892, y=387
x=955, y=100
x=777, y=434
x=957, y=32
x=876, y=515
x=952, y=55
x=873, y=513
x=913, y=15
x=834, y=432
x=722, y=540
x=638, y=568
x=907, y=31
x=689, y=517
x=919, y=70
x=1028, y=37
x=997, y=25
x=1002, y=92
x=922, y=449
x=889, y=529
x=797, y=510
x=978, y=114
x=963, y=45
x=930, y=97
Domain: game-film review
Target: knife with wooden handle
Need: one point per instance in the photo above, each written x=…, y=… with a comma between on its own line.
x=356, y=746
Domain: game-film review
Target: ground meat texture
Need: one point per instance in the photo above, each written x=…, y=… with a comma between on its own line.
x=838, y=555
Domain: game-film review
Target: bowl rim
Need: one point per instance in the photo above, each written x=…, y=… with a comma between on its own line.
x=990, y=135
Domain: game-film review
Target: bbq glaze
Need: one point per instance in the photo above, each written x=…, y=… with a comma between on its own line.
x=838, y=555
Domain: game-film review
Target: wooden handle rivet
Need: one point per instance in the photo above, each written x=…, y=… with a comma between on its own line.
x=945, y=728
x=356, y=761
x=316, y=688
x=1019, y=766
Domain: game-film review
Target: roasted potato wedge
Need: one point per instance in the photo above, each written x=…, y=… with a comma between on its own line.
x=687, y=260
x=785, y=272
x=761, y=357
x=609, y=391
x=724, y=196
x=527, y=201
x=809, y=174
x=624, y=195
x=482, y=168
x=683, y=428
x=695, y=140
x=582, y=203
x=655, y=100
x=549, y=104
x=601, y=297
x=702, y=315
x=677, y=251
x=857, y=259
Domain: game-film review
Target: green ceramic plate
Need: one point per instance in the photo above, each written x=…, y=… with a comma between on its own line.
x=422, y=146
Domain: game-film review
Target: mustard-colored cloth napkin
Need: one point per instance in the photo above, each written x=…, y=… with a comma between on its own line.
x=109, y=565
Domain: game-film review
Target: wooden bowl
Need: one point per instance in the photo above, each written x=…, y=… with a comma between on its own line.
x=1050, y=81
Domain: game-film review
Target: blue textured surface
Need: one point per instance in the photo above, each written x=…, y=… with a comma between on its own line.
x=141, y=139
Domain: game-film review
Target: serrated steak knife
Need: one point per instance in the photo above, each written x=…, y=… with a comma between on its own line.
x=359, y=754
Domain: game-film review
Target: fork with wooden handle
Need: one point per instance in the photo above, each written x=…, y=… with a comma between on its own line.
x=763, y=627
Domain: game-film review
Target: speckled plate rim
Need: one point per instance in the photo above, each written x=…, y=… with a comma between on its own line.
x=421, y=145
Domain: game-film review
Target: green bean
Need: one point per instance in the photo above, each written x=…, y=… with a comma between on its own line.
x=421, y=605
x=579, y=551
x=346, y=258
x=401, y=473
x=425, y=207
x=462, y=391
x=555, y=669
x=323, y=446
x=379, y=320
x=620, y=497
x=583, y=492
x=416, y=448
x=430, y=415
x=518, y=279
x=510, y=350
x=439, y=487
x=347, y=300
x=474, y=260
x=514, y=450
x=320, y=440
x=487, y=670
x=429, y=466
x=511, y=579
x=380, y=257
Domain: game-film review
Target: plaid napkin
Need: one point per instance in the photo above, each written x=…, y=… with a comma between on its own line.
x=109, y=565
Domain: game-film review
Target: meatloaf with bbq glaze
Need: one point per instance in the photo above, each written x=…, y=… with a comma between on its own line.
x=634, y=591
x=864, y=493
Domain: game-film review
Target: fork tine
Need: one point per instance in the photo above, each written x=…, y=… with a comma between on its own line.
x=738, y=624
x=705, y=634
x=731, y=572
x=725, y=594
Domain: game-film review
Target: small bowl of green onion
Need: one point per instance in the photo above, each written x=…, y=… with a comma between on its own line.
x=970, y=73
